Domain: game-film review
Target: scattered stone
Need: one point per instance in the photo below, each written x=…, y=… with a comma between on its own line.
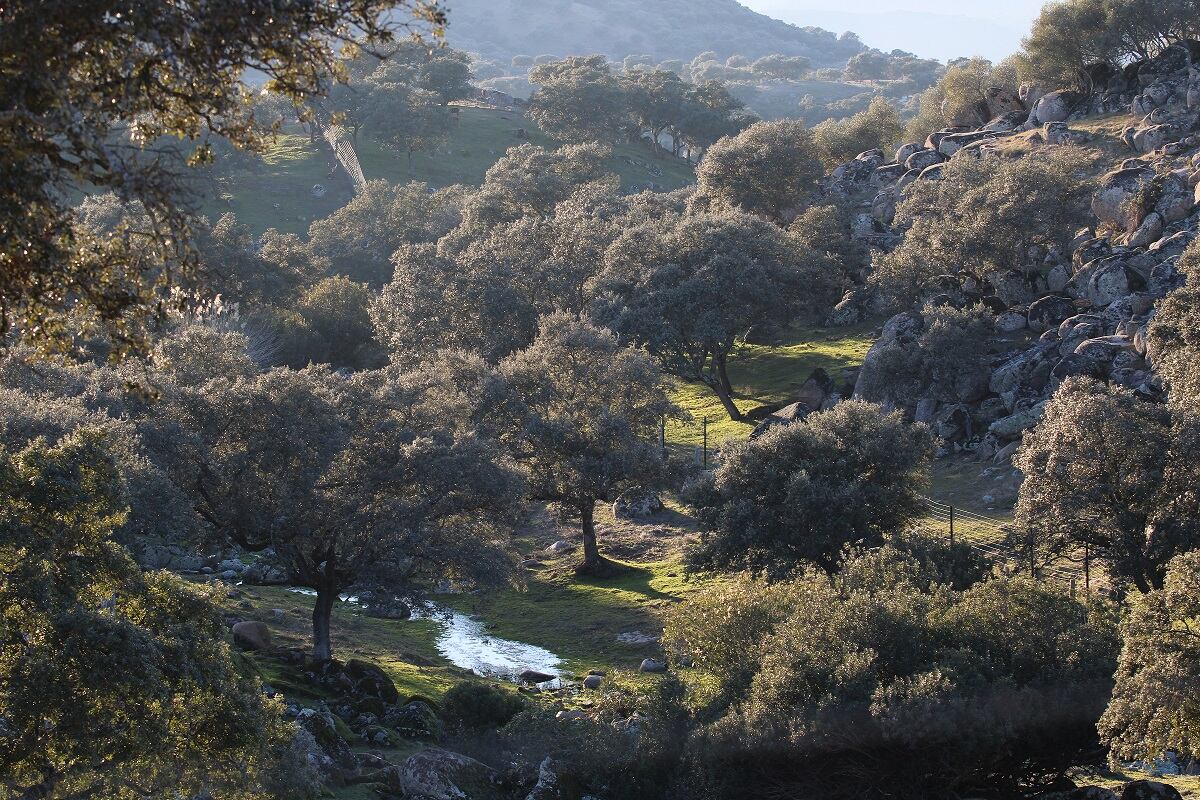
x=592, y=682
x=534, y=676
x=637, y=638
x=1149, y=790
x=561, y=546
x=436, y=774
x=636, y=503
x=652, y=665
x=250, y=635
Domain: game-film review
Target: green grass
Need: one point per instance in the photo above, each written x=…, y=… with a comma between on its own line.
x=405, y=649
x=288, y=171
x=579, y=619
x=767, y=374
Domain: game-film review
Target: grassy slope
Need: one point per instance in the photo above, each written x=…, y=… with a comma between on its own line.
x=767, y=374
x=291, y=168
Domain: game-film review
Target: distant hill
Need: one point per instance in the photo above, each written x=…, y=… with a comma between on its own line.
x=664, y=29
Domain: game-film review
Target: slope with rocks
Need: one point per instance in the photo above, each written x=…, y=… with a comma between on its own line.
x=1078, y=313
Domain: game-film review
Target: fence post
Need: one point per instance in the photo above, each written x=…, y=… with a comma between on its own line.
x=952, y=526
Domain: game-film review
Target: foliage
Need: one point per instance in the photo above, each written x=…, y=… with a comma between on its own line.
x=766, y=169
x=358, y=240
x=96, y=92
x=346, y=479
x=841, y=140
x=927, y=691
x=799, y=493
x=826, y=229
x=578, y=100
x=115, y=682
x=687, y=287
x=987, y=212
x=588, y=412
x=1154, y=704
x=1070, y=36
x=1173, y=336
x=1108, y=471
x=475, y=705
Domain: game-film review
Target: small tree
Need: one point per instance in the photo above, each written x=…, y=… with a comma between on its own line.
x=589, y=410
x=766, y=169
x=986, y=213
x=802, y=492
x=1107, y=471
x=116, y=683
x=687, y=288
x=841, y=140
x=1155, y=705
x=655, y=101
x=345, y=479
x=578, y=100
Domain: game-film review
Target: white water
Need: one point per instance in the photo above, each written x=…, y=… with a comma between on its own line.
x=465, y=643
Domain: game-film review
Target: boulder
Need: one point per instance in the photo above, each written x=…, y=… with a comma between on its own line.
x=250, y=635
x=636, y=503
x=1148, y=232
x=436, y=774
x=1117, y=197
x=1048, y=312
x=1170, y=60
x=264, y=573
x=906, y=150
x=901, y=330
x=1010, y=321
x=369, y=680
x=1058, y=277
x=1003, y=101
x=1176, y=198
x=414, y=720
x=652, y=665
x=547, y=787
x=1015, y=425
x=1090, y=793
x=1149, y=790
x=323, y=728
x=932, y=173
x=534, y=676
x=1007, y=122
x=593, y=681
x=1059, y=133
x=949, y=145
x=561, y=546
x=1055, y=107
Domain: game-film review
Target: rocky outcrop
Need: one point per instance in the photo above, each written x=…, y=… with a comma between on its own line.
x=436, y=774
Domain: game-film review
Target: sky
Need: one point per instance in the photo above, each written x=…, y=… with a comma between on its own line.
x=941, y=30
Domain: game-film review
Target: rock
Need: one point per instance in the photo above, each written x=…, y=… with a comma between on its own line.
x=953, y=422
x=1149, y=138
x=1055, y=107
x=546, y=787
x=1058, y=277
x=636, y=503
x=906, y=150
x=250, y=635
x=1149, y=790
x=926, y=410
x=414, y=720
x=567, y=716
x=1090, y=793
x=592, y=682
x=1057, y=133
x=1176, y=199
x=370, y=681
x=1168, y=61
x=1047, y=312
x=1148, y=232
x=561, y=546
x=1010, y=322
x=262, y=573
x=1015, y=425
x=436, y=774
x=323, y=728
x=318, y=190
x=932, y=173
x=1119, y=194
x=652, y=665
x=534, y=676
x=899, y=331
x=949, y=145
x=637, y=638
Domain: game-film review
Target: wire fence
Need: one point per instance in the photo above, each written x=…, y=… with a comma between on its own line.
x=1002, y=542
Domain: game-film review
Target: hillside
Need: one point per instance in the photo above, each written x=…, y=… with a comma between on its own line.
x=276, y=192
x=665, y=29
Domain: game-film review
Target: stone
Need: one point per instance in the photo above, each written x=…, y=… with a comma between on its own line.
x=906, y=150
x=318, y=190
x=932, y=173
x=547, y=787
x=637, y=638
x=636, y=503
x=592, y=681
x=1047, y=312
x=1010, y=322
x=926, y=410
x=561, y=546
x=949, y=145
x=1117, y=196
x=1090, y=793
x=414, y=720
x=901, y=330
x=1149, y=231
x=263, y=573
x=250, y=635
x=1055, y=107
x=1176, y=199
x=652, y=665
x=1058, y=277
x=1057, y=133
x=534, y=676
x=1015, y=425
x=1149, y=790
x=436, y=774
x=368, y=680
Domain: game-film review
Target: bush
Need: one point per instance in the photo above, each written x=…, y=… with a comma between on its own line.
x=841, y=140
x=478, y=706
x=899, y=682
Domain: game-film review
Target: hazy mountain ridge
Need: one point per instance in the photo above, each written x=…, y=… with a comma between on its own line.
x=665, y=29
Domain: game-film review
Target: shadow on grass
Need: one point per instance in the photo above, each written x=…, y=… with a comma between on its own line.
x=629, y=578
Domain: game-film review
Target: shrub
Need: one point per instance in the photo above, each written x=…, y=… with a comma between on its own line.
x=475, y=705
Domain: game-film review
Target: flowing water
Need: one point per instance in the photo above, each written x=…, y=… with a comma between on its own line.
x=465, y=642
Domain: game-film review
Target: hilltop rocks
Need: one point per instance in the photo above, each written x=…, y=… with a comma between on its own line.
x=1047, y=312
x=901, y=330
x=1119, y=198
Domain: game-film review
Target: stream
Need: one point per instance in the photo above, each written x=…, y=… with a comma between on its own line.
x=465, y=642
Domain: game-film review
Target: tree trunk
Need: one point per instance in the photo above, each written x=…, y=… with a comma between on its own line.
x=593, y=564
x=724, y=390
x=322, y=611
